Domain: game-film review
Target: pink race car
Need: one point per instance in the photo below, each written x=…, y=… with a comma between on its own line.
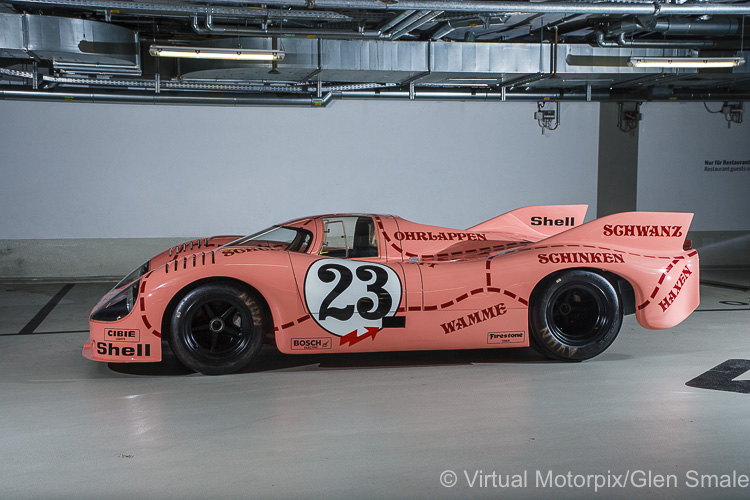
x=535, y=277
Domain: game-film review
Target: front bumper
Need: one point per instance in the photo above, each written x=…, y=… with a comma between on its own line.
x=128, y=340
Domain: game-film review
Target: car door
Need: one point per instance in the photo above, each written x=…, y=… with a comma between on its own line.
x=350, y=289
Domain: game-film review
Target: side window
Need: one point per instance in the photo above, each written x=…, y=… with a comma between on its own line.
x=335, y=237
x=349, y=237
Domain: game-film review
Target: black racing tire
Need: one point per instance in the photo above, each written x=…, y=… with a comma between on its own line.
x=574, y=315
x=216, y=329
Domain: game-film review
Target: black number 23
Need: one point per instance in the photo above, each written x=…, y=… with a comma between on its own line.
x=375, y=277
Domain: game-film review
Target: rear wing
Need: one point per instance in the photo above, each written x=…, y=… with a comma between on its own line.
x=536, y=222
x=644, y=231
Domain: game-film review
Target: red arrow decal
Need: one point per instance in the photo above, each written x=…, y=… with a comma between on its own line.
x=351, y=337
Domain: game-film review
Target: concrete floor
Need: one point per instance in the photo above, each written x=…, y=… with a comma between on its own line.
x=375, y=426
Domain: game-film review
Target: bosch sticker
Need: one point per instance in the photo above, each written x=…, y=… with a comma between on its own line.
x=310, y=344
x=350, y=299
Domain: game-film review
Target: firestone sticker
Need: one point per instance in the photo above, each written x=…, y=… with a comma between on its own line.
x=505, y=337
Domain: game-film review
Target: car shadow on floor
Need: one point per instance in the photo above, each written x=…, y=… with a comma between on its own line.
x=270, y=359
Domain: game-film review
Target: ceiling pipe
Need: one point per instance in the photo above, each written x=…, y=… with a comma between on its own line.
x=429, y=94
x=400, y=29
x=601, y=41
x=212, y=29
x=445, y=29
x=396, y=20
x=641, y=9
x=631, y=25
x=481, y=95
x=450, y=26
x=564, y=26
x=212, y=100
x=623, y=42
x=669, y=26
x=411, y=18
x=489, y=7
x=184, y=9
x=726, y=26
x=428, y=17
x=530, y=96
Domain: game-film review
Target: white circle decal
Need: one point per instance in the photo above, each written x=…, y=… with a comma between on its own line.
x=350, y=298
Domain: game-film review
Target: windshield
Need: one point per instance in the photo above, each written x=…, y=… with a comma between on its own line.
x=278, y=237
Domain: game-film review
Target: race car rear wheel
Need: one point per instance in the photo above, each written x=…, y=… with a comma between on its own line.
x=216, y=329
x=574, y=315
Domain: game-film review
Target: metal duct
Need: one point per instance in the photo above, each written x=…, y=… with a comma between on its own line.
x=365, y=62
x=12, y=43
x=351, y=61
x=69, y=42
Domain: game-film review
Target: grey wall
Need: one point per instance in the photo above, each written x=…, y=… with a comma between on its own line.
x=85, y=186
x=689, y=160
x=617, y=186
x=95, y=189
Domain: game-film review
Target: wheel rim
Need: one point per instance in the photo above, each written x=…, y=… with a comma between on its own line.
x=578, y=314
x=218, y=328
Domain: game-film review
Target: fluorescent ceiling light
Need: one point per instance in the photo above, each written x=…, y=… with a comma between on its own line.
x=473, y=79
x=686, y=62
x=457, y=84
x=216, y=53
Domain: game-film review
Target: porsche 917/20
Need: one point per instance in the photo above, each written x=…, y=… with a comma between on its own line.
x=537, y=276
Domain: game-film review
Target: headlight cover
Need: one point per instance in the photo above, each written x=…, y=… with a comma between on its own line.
x=134, y=275
x=121, y=304
x=118, y=306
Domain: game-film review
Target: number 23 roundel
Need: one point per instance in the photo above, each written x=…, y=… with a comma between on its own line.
x=350, y=299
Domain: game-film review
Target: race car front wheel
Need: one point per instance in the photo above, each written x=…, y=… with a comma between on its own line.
x=216, y=329
x=574, y=315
